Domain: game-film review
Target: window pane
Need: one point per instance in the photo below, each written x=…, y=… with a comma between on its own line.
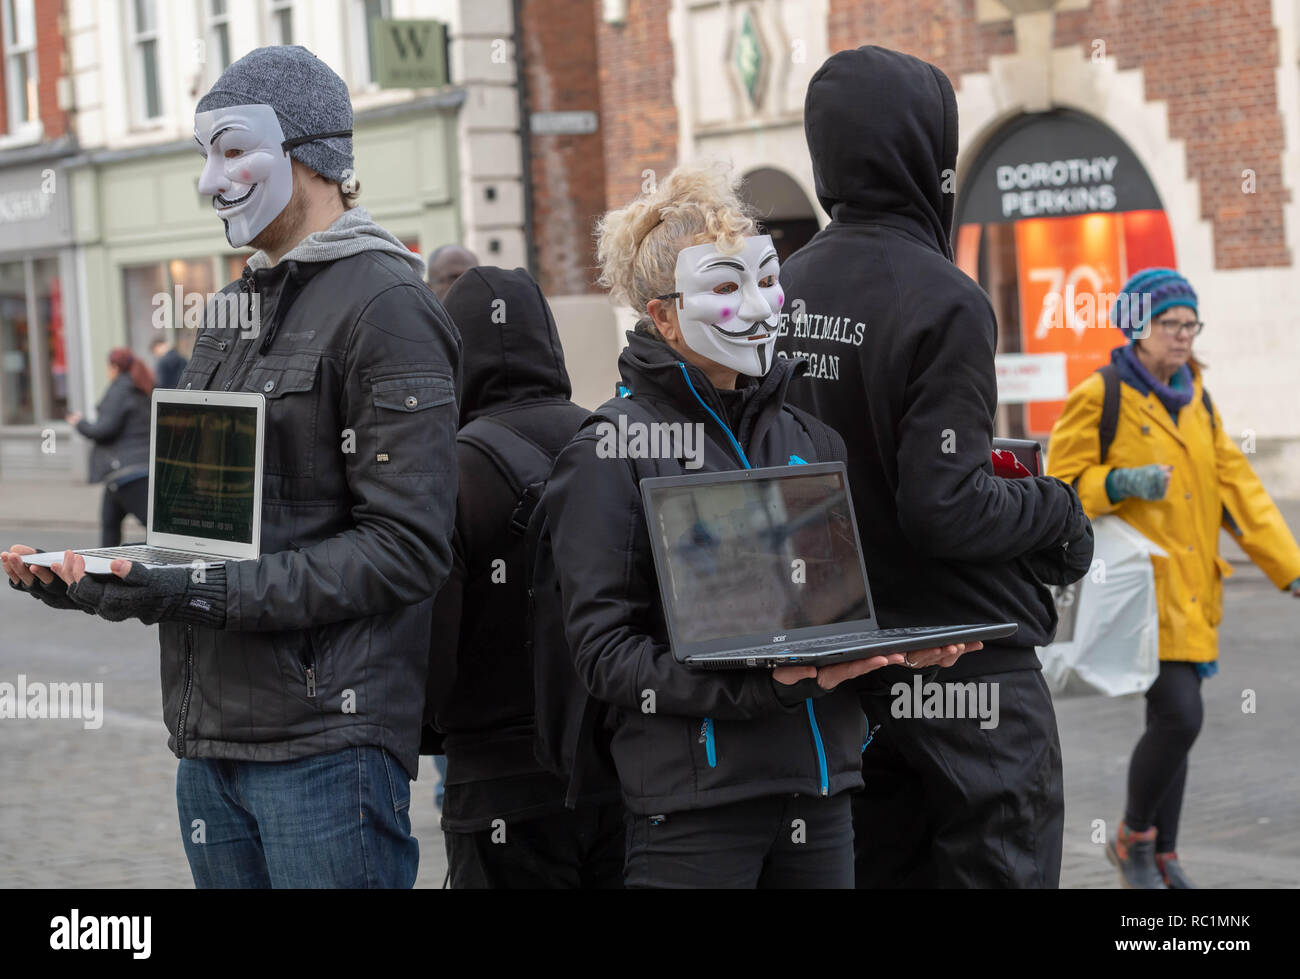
x=374, y=11
x=18, y=89
x=140, y=285
x=144, y=16
x=15, y=347
x=32, y=109
x=235, y=265
x=149, y=78
x=284, y=25
x=194, y=277
x=223, y=45
x=22, y=20
x=49, y=313
x=11, y=23
x=218, y=8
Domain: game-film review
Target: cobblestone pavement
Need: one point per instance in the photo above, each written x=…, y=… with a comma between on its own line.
x=96, y=808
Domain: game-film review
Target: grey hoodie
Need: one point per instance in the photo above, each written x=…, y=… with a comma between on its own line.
x=352, y=233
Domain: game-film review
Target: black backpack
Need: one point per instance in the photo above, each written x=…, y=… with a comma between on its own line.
x=1110, y=408
x=572, y=729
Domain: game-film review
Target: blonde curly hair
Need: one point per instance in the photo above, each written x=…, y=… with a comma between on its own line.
x=637, y=245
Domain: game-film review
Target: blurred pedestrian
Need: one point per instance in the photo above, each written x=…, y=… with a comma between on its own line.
x=447, y=264
x=168, y=363
x=120, y=433
x=1160, y=460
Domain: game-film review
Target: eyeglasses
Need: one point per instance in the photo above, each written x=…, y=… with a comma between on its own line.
x=1175, y=327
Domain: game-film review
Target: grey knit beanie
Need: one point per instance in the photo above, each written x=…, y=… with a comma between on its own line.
x=309, y=99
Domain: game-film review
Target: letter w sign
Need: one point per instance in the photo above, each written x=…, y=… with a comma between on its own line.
x=410, y=53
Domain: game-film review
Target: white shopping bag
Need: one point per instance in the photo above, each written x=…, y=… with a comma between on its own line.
x=1108, y=639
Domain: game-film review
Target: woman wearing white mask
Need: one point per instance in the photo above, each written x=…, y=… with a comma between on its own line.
x=735, y=778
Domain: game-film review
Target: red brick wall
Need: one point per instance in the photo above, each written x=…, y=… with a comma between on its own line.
x=50, y=55
x=926, y=28
x=1215, y=63
x=1212, y=60
x=568, y=171
x=4, y=88
x=638, y=115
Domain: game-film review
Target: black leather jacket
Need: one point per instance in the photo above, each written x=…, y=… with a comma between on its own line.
x=327, y=633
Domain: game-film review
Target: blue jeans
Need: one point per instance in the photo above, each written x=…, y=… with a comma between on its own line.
x=336, y=820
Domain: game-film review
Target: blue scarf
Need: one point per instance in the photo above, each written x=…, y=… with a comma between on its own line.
x=1174, y=395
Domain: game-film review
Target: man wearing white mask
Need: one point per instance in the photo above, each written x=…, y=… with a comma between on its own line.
x=730, y=778
x=293, y=685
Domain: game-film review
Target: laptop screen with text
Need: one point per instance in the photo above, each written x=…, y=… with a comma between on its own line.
x=204, y=467
x=760, y=556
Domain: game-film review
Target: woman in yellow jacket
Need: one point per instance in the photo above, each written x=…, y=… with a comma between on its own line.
x=1174, y=475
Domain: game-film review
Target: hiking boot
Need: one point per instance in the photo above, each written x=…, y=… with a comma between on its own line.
x=1172, y=871
x=1134, y=854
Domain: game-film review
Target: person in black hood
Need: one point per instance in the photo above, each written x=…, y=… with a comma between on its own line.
x=503, y=814
x=899, y=345
x=733, y=778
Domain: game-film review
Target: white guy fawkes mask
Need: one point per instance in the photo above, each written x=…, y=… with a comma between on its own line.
x=246, y=171
x=729, y=305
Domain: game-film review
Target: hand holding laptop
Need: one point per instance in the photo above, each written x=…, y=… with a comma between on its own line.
x=830, y=677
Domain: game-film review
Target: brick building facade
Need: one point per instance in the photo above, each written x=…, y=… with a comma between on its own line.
x=1204, y=95
x=50, y=50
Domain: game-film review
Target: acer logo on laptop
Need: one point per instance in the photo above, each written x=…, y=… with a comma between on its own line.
x=778, y=639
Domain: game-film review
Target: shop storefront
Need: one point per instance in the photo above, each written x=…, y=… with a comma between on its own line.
x=39, y=368
x=1053, y=216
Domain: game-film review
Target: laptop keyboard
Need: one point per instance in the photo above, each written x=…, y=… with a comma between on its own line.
x=144, y=554
x=847, y=639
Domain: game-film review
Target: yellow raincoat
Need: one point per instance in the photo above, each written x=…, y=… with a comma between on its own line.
x=1211, y=484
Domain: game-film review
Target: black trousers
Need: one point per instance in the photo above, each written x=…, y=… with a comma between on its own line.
x=132, y=498
x=1157, y=773
x=780, y=841
x=950, y=804
x=578, y=849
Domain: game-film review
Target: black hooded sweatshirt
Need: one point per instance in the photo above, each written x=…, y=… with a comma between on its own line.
x=480, y=689
x=900, y=344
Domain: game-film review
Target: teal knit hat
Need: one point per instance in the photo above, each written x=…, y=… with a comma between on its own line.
x=1162, y=288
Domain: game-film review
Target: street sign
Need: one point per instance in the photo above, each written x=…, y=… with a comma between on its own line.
x=410, y=53
x=1030, y=377
x=563, y=123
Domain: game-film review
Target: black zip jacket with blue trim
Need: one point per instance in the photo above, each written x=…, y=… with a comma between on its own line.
x=713, y=737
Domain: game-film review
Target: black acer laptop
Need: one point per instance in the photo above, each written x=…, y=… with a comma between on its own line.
x=763, y=568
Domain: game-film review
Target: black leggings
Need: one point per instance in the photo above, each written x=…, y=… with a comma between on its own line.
x=1157, y=773
x=132, y=498
x=775, y=841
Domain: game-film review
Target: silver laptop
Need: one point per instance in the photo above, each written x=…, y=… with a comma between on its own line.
x=205, y=484
x=763, y=567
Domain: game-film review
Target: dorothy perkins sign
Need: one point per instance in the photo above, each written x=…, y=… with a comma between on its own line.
x=1053, y=164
